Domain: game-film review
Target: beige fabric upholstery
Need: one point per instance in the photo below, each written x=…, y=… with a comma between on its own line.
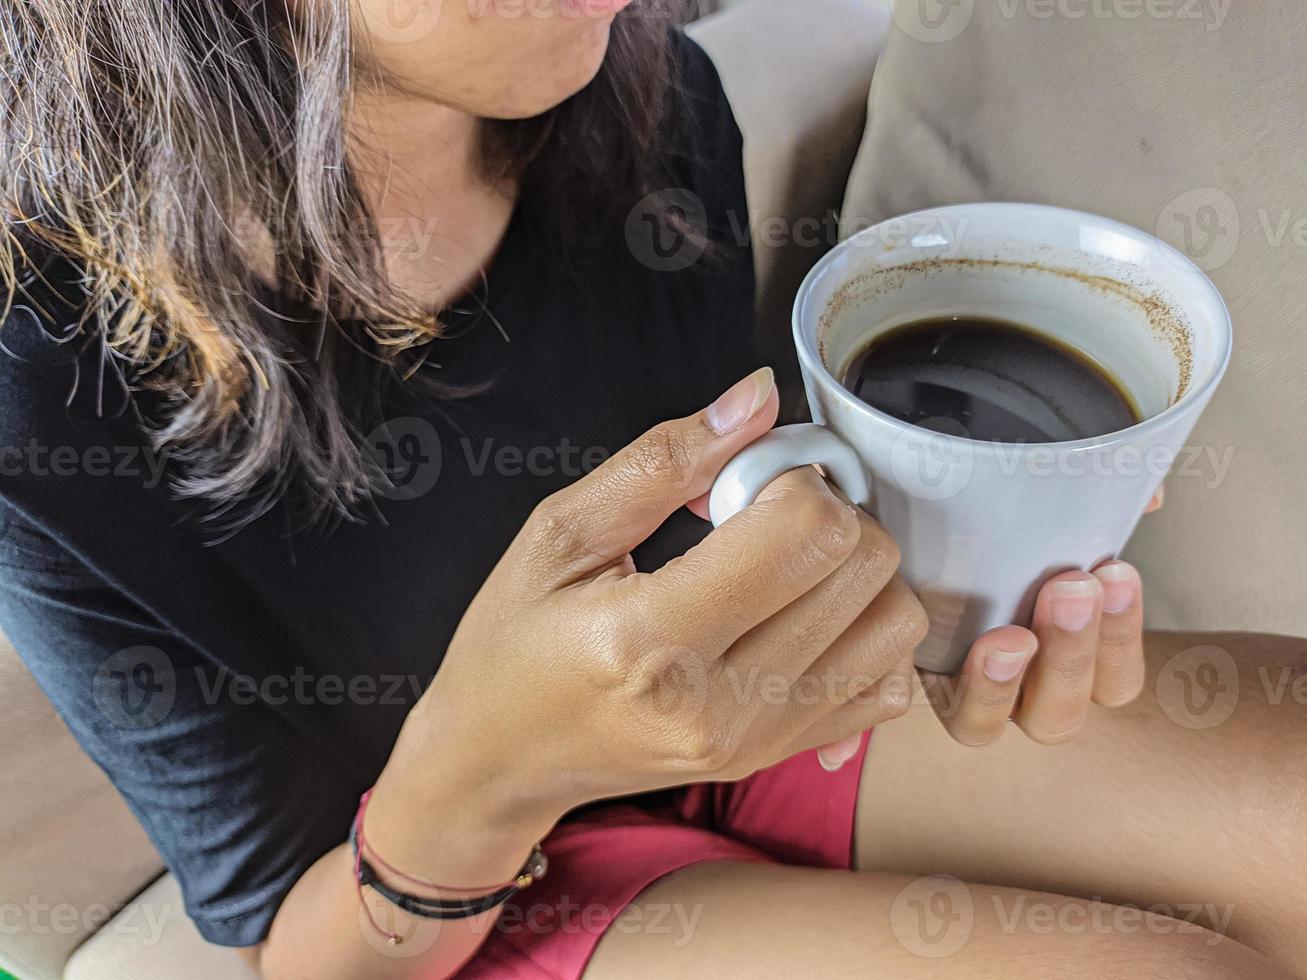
x=151, y=939
x=1197, y=120
x=70, y=852
x=797, y=74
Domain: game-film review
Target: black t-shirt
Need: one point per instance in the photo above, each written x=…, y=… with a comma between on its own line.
x=242, y=690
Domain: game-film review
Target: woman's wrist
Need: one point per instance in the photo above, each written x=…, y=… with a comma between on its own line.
x=457, y=821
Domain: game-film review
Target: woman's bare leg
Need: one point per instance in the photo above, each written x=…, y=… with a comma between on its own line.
x=1194, y=798
x=726, y=920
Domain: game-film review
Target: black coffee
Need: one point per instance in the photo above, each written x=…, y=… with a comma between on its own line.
x=994, y=380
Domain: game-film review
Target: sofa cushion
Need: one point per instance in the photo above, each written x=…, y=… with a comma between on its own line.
x=800, y=107
x=1185, y=119
x=151, y=939
x=70, y=852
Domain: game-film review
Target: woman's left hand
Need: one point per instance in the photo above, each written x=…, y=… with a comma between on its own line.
x=1085, y=645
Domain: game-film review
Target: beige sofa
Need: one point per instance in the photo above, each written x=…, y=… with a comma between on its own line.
x=1139, y=119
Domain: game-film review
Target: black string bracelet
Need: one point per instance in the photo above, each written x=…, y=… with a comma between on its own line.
x=433, y=908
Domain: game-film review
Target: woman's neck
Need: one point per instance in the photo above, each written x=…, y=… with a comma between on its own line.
x=439, y=218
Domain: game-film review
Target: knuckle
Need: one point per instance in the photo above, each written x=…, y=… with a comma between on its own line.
x=552, y=529
x=991, y=699
x=666, y=455
x=706, y=747
x=883, y=555
x=1071, y=667
x=870, y=566
x=895, y=698
x=829, y=529
x=911, y=624
x=611, y=648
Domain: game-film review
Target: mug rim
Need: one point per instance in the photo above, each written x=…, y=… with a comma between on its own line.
x=811, y=359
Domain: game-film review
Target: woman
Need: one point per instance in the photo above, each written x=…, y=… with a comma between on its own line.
x=327, y=320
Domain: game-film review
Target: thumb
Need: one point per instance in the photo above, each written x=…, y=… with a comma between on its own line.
x=607, y=513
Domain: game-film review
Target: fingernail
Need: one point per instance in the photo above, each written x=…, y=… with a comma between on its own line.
x=741, y=403
x=1119, y=587
x=1073, y=604
x=1004, y=665
x=834, y=756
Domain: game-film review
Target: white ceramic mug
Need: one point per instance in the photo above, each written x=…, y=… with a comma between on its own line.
x=982, y=525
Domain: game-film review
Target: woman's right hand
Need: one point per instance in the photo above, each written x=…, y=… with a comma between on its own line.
x=572, y=677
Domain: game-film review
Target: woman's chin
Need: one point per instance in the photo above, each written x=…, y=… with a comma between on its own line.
x=577, y=70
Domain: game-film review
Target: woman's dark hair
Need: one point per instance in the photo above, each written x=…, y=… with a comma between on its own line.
x=160, y=143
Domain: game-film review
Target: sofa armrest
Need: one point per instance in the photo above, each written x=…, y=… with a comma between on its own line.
x=797, y=74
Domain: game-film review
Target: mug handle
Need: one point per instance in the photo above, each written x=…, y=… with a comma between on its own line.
x=779, y=451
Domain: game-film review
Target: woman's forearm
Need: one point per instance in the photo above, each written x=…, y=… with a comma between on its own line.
x=322, y=932
x=459, y=832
